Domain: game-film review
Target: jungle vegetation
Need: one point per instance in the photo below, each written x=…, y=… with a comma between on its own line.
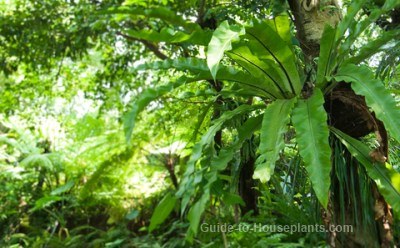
x=133, y=123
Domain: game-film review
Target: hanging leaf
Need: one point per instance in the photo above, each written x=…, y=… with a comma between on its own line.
x=274, y=125
x=200, y=120
x=198, y=67
x=192, y=32
x=161, y=13
x=310, y=122
x=326, y=60
x=385, y=177
x=220, y=163
x=226, y=154
x=188, y=184
x=143, y=100
x=168, y=35
x=217, y=124
x=358, y=27
x=377, y=97
x=217, y=164
x=221, y=41
x=162, y=211
x=193, y=65
x=348, y=19
x=165, y=35
x=385, y=42
x=208, y=137
x=246, y=130
x=196, y=211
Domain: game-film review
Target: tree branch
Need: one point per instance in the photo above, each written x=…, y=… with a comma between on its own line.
x=200, y=12
x=152, y=47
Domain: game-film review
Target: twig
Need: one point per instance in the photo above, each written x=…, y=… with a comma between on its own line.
x=152, y=47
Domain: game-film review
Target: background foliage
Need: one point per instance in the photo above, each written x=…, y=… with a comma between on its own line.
x=130, y=123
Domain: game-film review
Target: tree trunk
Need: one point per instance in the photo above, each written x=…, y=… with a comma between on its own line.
x=310, y=20
x=246, y=182
x=348, y=203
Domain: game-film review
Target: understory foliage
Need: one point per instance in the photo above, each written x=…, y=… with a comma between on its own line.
x=135, y=123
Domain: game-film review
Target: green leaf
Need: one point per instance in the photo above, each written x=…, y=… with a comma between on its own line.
x=385, y=42
x=217, y=164
x=232, y=199
x=243, y=90
x=200, y=120
x=196, y=211
x=162, y=211
x=266, y=43
x=143, y=100
x=221, y=41
x=161, y=13
x=348, y=19
x=326, y=60
x=390, y=5
x=188, y=184
x=192, y=32
x=38, y=160
x=278, y=7
x=132, y=215
x=168, y=35
x=114, y=243
x=113, y=159
x=312, y=134
x=377, y=97
x=208, y=137
x=244, y=132
x=165, y=35
x=220, y=162
x=274, y=125
x=45, y=202
x=358, y=27
x=226, y=154
x=245, y=80
x=269, y=74
x=198, y=67
x=385, y=177
x=193, y=65
x=217, y=124
x=281, y=25
x=62, y=189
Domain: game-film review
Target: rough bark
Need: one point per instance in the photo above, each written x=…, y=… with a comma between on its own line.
x=246, y=182
x=311, y=16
